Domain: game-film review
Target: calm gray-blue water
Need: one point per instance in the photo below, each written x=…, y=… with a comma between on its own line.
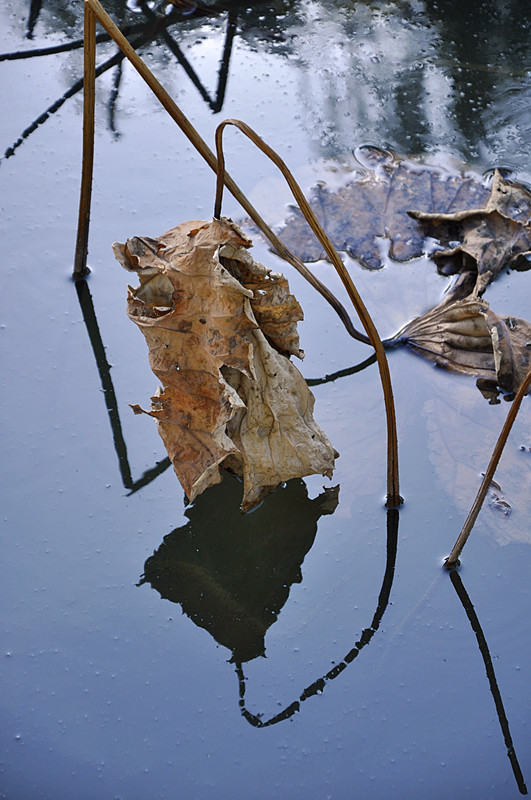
x=153, y=649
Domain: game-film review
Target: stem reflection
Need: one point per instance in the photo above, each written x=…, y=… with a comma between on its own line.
x=317, y=687
x=457, y=583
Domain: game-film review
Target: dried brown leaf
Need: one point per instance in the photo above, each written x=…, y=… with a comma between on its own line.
x=229, y=394
x=466, y=336
x=489, y=239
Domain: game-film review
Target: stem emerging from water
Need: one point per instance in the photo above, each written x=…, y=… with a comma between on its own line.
x=89, y=92
x=453, y=559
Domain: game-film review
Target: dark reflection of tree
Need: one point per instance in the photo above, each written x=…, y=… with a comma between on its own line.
x=477, y=45
x=409, y=105
x=215, y=103
x=263, y=21
x=493, y=684
x=319, y=685
x=480, y=44
x=231, y=572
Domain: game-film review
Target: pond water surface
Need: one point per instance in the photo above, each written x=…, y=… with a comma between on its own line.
x=152, y=649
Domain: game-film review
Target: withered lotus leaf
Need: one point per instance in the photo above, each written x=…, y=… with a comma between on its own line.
x=484, y=240
x=368, y=215
x=219, y=327
x=466, y=336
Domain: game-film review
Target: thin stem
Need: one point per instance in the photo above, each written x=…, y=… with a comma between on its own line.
x=343, y=373
x=453, y=559
x=393, y=494
x=89, y=99
x=203, y=149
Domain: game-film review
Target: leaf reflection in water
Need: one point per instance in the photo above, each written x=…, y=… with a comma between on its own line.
x=232, y=572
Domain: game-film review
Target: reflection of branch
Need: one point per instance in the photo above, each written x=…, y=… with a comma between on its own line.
x=217, y=103
x=74, y=89
x=149, y=475
x=33, y=16
x=156, y=25
x=113, y=97
x=148, y=34
x=223, y=73
x=318, y=686
x=484, y=650
x=76, y=44
x=104, y=369
x=128, y=30
x=342, y=373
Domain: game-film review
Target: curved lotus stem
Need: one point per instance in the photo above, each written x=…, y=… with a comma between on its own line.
x=205, y=152
x=393, y=494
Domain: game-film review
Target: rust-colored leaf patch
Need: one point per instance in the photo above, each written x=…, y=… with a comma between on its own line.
x=219, y=327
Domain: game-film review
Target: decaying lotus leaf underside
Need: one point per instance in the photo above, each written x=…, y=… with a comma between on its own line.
x=368, y=217
x=484, y=241
x=467, y=336
x=219, y=328
x=372, y=216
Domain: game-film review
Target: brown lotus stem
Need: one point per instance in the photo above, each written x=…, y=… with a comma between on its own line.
x=453, y=559
x=203, y=149
x=393, y=494
x=89, y=91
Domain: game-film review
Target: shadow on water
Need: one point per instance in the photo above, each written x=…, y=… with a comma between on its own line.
x=111, y=402
x=231, y=573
